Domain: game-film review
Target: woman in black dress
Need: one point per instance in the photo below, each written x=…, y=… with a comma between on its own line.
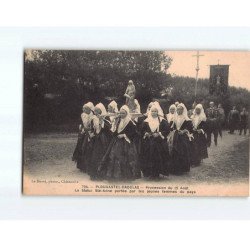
x=181, y=141
x=154, y=156
x=171, y=115
x=100, y=140
x=80, y=155
x=139, y=125
x=199, y=149
x=120, y=162
x=112, y=110
x=170, y=118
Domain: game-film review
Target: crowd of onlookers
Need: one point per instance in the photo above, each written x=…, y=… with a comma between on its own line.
x=235, y=121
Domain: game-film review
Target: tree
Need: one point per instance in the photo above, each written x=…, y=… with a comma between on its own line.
x=75, y=77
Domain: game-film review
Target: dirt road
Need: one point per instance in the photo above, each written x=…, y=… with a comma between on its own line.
x=49, y=156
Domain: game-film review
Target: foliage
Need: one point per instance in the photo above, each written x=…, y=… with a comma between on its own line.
x=72, y=77
x=58, y=82
x=183, y=91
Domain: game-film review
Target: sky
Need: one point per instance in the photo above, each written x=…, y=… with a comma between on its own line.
x=184, y=64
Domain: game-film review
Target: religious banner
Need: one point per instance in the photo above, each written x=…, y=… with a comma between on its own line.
x=218, y=79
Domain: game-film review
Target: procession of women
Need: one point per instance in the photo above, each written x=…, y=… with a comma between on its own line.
x=124, y=144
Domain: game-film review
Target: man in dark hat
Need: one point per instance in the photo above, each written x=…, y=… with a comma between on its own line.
x=213, y=117
x=233, y=120
x=222, y=118
x=243, y=121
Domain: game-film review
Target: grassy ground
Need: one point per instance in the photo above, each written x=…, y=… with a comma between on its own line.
x=49, y=156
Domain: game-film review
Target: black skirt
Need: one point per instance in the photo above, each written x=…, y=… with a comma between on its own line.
x=199, y=148
x=154, y=157
x=120, y=161
x=99, y=145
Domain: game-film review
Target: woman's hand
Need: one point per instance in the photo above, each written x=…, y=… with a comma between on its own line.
x=155, y=135
x=180, y=132
x=91, y=135
x=120, y=136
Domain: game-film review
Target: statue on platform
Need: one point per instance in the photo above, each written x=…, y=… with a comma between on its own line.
x=130, y=91
x=131, y=102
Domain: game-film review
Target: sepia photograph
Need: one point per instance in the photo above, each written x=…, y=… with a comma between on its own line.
x=124, y=117
x=136, y=123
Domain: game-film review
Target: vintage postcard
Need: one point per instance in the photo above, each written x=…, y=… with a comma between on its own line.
x=136, y=123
